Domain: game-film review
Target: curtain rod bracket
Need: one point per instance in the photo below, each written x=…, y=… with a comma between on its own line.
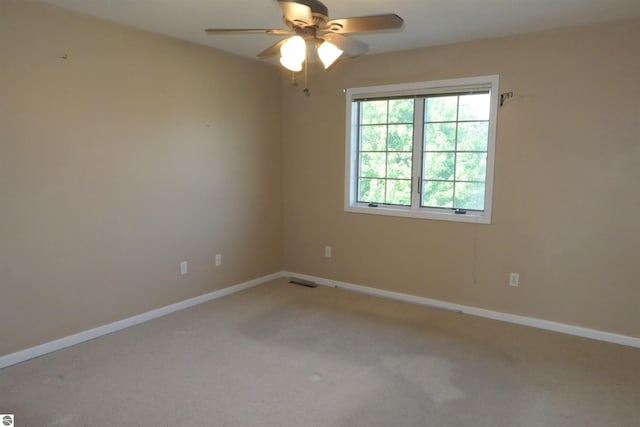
x=504, y=97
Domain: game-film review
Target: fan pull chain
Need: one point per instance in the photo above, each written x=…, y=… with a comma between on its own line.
x=306, y=77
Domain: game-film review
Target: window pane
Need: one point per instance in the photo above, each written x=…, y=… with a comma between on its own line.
x=473, y=136
x=399, y=192
x=400, y=137
x=401, y=111
x=371, y=190
x=373, y=165
x=437, y=194
x=441, y=109
x=440, y=137
x=439, y=166
x=469, y=196
x=374, y=112
x=373, y=138
x=399, y=165
x=474, y=107
x=471, y=167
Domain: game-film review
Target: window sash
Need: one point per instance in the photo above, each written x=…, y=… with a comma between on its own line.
x=457, y=181
x=386, y=152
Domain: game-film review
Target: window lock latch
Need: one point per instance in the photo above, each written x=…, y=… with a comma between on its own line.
x=372, y=205
x=459, y=211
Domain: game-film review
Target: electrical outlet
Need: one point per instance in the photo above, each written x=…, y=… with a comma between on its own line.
x=184, y=268
x=327, y=251
x=514, y=279
x=218, y=260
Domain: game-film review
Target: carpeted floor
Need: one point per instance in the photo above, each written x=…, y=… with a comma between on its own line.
x=285, y=355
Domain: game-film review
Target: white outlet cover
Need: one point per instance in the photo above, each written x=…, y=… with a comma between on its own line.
x=514, y=279
x=184, y=268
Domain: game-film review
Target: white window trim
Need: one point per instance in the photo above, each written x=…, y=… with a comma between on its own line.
x=411, y=89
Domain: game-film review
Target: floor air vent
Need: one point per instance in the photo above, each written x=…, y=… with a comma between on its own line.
x=302, y=282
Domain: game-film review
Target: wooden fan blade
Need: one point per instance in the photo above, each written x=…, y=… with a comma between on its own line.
x=296, y=13
x=229, y=31
x=348, y=45
x=362, y=24
x=272, y=50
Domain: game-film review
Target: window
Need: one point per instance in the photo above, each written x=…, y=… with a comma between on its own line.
x=422, y=150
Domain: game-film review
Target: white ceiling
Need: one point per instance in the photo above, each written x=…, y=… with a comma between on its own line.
x=427, y=22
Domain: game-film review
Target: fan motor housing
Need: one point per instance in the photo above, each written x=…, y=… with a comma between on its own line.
x=317, y=8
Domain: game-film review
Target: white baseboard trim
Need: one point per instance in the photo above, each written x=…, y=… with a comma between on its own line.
x=463, y=309
x=51, y=346
x=68, y=341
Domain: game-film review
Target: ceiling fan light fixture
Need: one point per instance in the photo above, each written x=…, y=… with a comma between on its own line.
x=328, y=53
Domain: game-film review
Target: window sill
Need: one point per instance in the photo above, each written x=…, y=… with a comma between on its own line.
x=473, y=218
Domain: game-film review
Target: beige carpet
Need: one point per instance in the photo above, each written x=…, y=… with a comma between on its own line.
x=284, y=355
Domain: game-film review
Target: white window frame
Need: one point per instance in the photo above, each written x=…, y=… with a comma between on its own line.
x=417, y=89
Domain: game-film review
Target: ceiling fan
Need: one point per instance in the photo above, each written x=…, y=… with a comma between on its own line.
x=308, y=22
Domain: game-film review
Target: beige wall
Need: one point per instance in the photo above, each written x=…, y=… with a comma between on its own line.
x=566, y=196
x=135, y=153
x=139, y=151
